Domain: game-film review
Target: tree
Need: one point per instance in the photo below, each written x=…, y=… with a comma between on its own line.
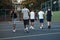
x=33, y=3
x=5, y=4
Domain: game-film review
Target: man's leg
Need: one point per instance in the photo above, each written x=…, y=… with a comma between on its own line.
x=32, y=24
x=25, y=26
x=49, y=24
x=41, y=23
x=14, y=26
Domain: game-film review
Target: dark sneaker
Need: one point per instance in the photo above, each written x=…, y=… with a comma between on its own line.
x=49, y=27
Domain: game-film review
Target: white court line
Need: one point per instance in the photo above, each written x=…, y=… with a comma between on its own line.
x=11, y=23
x=23, y=29
x=30, y=36
x=17, y=22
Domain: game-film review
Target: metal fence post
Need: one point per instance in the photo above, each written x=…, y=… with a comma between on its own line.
x=5, y=14
x=59, y=4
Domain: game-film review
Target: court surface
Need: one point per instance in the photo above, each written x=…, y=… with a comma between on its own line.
x=36, y=34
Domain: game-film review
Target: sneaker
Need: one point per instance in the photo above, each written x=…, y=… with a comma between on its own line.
x=26, y=29
x=32, y=27
x=41, y=27
x=14, y=30
x=49, y=27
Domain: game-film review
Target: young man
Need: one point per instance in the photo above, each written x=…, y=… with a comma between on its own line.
x=48, y=16
x=14, y=18
x=41, y=18
x=32, y=18
x=25, y=12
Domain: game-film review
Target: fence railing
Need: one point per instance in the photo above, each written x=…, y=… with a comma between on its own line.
x=55, y=5
x=5, y=15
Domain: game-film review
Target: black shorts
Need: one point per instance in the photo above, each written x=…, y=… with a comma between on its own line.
x=26, y=22
x=41, y=20
x=48, y=18
x=32, y=20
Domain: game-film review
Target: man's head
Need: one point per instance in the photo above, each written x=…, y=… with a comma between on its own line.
x=13, y=9
x=24, y=6
x=40, y=9
x=49, y=8
x=32, y=9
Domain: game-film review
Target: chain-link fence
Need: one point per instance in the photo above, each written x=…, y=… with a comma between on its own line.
x=5, y=15
x=54, y=4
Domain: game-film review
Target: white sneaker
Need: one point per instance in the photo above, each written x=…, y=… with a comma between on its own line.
x=32, y=27
x=26, y=29
x=41, y=27
x=14, y=30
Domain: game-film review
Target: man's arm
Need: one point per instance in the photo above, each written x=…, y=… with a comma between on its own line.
x=38, y=15
x=29, y=13
x=16, y=13
x=52, y=13
x=46, y=13
x=11, y=13
x=21, y=15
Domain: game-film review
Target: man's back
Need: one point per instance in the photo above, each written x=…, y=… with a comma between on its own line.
x=13, y=14
x=40, y=13
x=25, y=12
x=32, y=15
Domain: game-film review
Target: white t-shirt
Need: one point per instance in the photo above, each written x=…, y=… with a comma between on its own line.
x=41, y=13
x=25, y=12
x=32, y=15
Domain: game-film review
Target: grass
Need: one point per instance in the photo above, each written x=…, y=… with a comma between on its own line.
x=56, y=16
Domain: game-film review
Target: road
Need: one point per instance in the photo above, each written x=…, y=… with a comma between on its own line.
x=6, y=32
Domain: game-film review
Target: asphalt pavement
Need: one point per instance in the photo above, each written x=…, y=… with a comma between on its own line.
x=6, y=32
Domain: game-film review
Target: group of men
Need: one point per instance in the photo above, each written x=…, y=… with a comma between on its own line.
x=30, y=15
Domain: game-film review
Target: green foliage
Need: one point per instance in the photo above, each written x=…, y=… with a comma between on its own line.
x=56, y=16
x=5, y=4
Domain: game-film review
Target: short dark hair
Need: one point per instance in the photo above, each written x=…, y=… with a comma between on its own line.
x=40, y=9
x=24, y=6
